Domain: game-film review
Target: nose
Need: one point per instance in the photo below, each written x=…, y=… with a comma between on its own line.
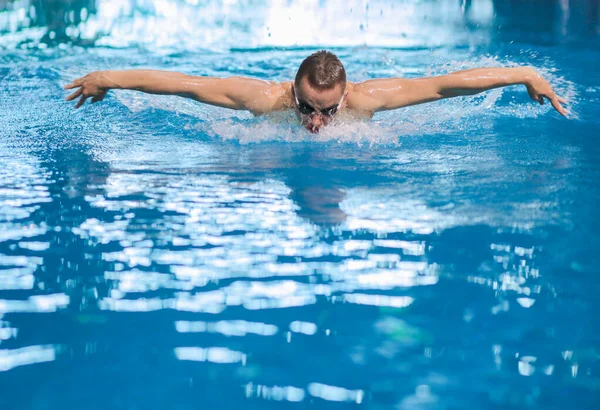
x=316, y=122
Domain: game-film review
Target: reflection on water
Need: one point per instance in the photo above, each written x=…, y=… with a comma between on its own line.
x=10, y=359
x=155, y=253
x=280, y=273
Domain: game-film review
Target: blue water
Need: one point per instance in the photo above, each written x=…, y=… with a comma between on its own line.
x=156, y=253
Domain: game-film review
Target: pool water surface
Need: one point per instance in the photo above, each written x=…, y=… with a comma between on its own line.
x=156, y=253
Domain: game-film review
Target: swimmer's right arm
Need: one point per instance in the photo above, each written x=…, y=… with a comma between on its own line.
x=238, y=93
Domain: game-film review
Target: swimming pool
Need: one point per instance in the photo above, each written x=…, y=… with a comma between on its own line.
x=156, y=253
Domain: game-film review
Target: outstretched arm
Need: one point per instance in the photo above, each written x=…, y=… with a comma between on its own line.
x=392, y=93
x=237, y=93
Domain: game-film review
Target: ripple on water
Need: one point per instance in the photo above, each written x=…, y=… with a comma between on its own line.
x=135, y=232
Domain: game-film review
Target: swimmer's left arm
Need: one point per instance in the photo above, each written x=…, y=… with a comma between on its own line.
x=392, y=93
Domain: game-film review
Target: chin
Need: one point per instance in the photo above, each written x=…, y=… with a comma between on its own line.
x=312, y=130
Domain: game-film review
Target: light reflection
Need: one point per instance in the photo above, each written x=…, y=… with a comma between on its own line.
x=219, y=355
x=376, y=214
x=392, y=278
x=306, y=328
x=19, y=260
x=526, y=365
x=519, y=278
x=34, y=246
x=277, y=393
x=132, y=305
x=137, y=281
x=11, y=231
x=526, y=302
x=7, y=333
x=201, y=250
x=232, y=24
x=574, y=369
x=41, y=303
x=408, y=248
x=226, y=327
x=287, y=302
x=335, y=393
x=213, y=302
x=422, y=398
x=17, y=278
x=9, y=359
x=192, y=237
x=379, y=300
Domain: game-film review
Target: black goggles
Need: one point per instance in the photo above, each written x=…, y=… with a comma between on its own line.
x=306, y=109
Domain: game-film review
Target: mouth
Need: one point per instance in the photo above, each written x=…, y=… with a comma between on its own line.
x=313, y=130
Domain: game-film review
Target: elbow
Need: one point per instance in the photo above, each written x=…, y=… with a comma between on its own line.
x=458, y=92
x=446, y=93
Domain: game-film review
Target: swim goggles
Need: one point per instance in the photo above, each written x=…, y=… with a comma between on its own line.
x=306, y=109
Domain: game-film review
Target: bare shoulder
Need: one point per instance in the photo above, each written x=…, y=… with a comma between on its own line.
x=281, y=95
x=361, y=98
x=243, y=93
x=273, y=96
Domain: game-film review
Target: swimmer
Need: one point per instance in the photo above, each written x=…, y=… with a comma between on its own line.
x=318, y=93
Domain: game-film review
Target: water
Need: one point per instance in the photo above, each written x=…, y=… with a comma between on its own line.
x=156, y=253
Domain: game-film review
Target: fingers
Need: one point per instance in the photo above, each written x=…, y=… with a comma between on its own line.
x=83, y=97
x=555, y=100
x=75, y=95
x=76, y=83
x=556, y=104
x=537, y=97
x=81, y=101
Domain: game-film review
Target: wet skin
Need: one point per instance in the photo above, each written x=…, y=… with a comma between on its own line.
x=318, y=100
x=362, y=99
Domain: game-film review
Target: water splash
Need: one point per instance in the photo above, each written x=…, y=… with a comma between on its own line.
x=451, y=116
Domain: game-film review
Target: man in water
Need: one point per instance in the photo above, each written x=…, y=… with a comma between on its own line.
x=318, y=93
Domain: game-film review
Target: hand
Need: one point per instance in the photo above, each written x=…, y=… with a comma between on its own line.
x=538, y=89
x=92, y=85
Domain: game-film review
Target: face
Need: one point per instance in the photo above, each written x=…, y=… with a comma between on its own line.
x=316, y=109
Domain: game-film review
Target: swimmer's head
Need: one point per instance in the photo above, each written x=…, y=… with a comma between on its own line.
x=319, y=89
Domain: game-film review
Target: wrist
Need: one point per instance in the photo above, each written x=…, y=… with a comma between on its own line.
x=527, y=75
x=107, y=80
